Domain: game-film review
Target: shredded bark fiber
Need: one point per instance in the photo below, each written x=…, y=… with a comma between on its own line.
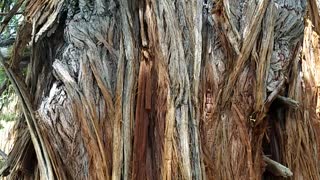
x=148, y=89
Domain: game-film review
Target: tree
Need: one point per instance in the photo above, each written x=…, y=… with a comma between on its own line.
x=122, y=89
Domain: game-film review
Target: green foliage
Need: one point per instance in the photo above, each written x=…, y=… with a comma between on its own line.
x=7, y=116
x=9, y=33
x=1, y=163
x=2, y=75
x=6, y=99
x=6, y=96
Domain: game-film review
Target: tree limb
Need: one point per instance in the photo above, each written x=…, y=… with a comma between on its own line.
x=276, y=168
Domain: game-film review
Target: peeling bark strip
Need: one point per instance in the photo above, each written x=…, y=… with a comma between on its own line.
x=303, y=89
x=140, y=167
x=117, y=155
x=166, y=89
x=45, y=166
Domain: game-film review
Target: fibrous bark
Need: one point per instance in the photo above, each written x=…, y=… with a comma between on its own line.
x=171, y=89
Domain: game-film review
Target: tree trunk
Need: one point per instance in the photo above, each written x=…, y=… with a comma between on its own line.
x=164, y=89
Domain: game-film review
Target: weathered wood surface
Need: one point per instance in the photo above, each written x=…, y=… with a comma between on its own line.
x=277, y=168
x=173, y=89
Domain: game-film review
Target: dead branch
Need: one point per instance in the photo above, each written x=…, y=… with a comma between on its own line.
x=6, y=13
x=276, y=168
x=3, y=155
x=288, y=101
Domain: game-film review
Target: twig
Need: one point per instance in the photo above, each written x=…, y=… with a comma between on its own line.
x=3, y=155
x=10, y=14
x=3, y=86
x=6, y=13
x=276, y=168
x=288, y=101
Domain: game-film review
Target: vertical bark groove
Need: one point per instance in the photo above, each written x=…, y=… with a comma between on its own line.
x=171, y=89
